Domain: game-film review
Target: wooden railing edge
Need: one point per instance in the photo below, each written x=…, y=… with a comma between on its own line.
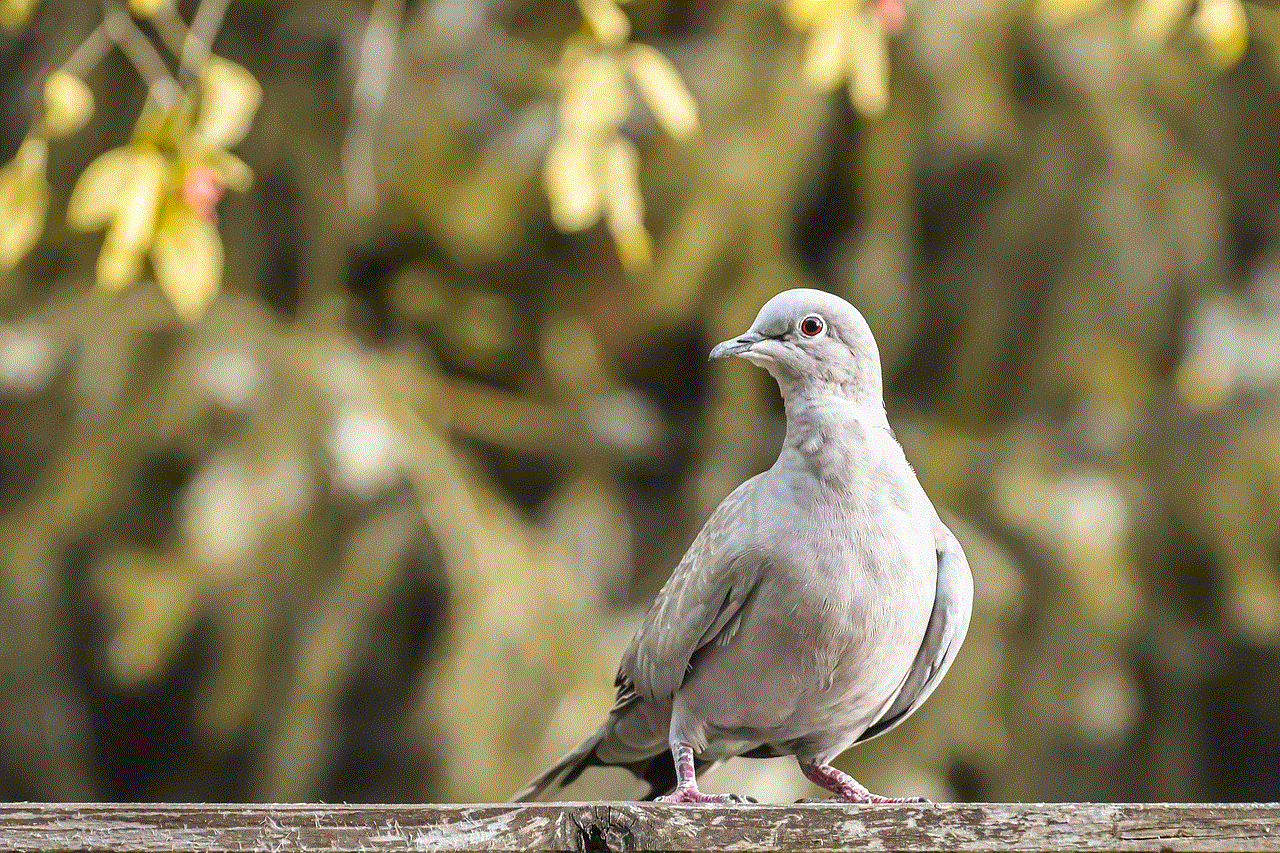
x=628, y=827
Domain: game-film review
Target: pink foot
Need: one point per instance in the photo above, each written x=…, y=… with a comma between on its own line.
x=847, y=789
x=687, y=784
x=693, y=795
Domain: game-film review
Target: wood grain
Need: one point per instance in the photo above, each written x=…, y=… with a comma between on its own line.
x=639, y=827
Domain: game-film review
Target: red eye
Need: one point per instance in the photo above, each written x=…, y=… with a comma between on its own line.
x=811, y=326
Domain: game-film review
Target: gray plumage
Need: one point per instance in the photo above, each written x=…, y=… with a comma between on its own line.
x=821, y=603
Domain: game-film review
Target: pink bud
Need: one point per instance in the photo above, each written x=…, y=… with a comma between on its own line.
x=202, y=188
x=891, y=13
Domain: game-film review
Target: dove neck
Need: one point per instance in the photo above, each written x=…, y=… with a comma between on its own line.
x=813, y=415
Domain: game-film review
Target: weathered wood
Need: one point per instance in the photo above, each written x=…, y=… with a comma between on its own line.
x=636, y=828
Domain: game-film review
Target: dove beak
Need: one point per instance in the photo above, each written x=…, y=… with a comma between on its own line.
x=737, y=346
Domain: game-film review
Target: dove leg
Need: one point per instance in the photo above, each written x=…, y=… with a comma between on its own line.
x=687, y=784
x=845, y=786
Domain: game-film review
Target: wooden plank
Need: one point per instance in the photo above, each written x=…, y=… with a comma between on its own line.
x=640, y=827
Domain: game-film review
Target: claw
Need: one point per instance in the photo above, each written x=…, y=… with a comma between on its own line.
x=870, y=799
x=877, y=800
x=693, y=795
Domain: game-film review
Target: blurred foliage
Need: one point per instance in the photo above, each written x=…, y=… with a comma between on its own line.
x=359, y=491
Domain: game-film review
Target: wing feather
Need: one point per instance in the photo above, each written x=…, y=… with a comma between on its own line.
x=948, y=624
x=699, y=603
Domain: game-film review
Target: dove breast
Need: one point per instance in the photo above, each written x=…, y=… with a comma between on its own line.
x=846, y=567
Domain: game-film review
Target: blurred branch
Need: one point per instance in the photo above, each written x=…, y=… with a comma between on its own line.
x=199, y=41
x=139, y=50
x=373, y=81
x=170, y=27
x=91, y=51
x=611, y=427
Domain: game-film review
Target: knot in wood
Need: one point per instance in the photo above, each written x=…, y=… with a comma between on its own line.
x=604, y=829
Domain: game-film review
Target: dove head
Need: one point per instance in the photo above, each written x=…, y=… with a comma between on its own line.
x=813, y=343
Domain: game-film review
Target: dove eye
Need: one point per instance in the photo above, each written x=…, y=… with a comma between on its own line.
x=812, y=326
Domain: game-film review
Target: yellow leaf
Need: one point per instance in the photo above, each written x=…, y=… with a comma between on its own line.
x=663, y=90
x=235, y=173
x=1060, y=12
x=147, y=8
x=826, y=53
x=152, y=603
x=68, y=103
x=97, y=194
x=187, y=257
x=594, y=98
x=135, y=219
x=869, y=65
x=624, y=206
x=606, y=20
x=229, y=98
x=1204, y=383
x=14, y=13
x=803, y=14
x=24, y=198
x=635, y=249
x=32, y=156
x=1154, y=21
x=572, y=183
x=118, y=265
x=1222, y=25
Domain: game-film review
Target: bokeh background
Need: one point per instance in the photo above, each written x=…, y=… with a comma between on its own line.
x=364, y=499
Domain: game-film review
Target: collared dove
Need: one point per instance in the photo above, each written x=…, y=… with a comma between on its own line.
x=820, y=605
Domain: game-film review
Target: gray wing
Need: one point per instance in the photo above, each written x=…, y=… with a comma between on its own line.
x=701, y=602
x=948, y=623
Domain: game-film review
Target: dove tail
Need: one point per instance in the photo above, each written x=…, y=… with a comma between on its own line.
x=654, y=767
x=568, y=768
